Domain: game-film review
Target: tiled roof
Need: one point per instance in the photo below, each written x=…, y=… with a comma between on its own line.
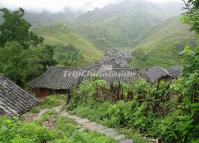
x=113, y=57
x=14, y=101
x=124, y=75
x=155, y=73
x=57, y=78
x=175, y=71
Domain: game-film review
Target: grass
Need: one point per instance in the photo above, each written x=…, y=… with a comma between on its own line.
x=119, y=31
x=64, y=125
x=59, y=34
x=64, y=131
x=50, y=102
x=92, y=114
x=51, y=127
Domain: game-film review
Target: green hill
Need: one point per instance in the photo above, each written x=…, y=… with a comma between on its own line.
x=125, y=24
x=149, y=30
x=120, y=31
x=59, y=34
x=163, y=46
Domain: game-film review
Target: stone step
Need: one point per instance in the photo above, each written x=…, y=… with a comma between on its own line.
x=126, y=141
x=82, y=121
x=92, y=126
x=119, y=137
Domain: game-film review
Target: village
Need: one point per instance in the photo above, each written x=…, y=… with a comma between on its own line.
x=113, y=68
x=117, y=72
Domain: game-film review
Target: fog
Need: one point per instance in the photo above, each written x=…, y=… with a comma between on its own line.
x=59, y=5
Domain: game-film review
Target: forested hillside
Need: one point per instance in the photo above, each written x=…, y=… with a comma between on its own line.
x=132, y=25
x=123, y=25
x=61, y=35
x=163, y=45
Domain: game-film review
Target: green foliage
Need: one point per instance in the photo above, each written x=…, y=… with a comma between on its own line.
x=66, y=131
x=50, y=102
x=47, y=53
x=190, y=100
x=22, y=55
x=15, y=28
x=191, y=16
x=163, y=46
x=68, y=56
x=22, y=65
x=162, y=112
x=119, y=30
x=12, y=131
x=60, y=35
x=123, y=25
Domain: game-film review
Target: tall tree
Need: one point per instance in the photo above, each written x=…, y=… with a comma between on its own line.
x=22, y=65
x=191, y=75
x=15, y=28
x=18, y=60
x=191, y=16
x=68, y=55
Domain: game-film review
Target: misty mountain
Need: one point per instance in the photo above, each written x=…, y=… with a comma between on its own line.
x=47, y=18
x=124, y=25
x=129, y=7
x=152, y=31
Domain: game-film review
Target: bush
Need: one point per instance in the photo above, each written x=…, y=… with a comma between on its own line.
x=12, y=131
x=156, y=111
x=65, y=131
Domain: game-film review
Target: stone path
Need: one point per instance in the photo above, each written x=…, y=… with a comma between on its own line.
x=86, y=124
x=92, y=126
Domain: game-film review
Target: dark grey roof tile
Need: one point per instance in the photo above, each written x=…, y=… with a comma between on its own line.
x=14, y=101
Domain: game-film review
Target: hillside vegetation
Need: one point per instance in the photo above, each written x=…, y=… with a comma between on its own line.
x=120, y=31
x=140, y=26
x=58, y=34
x=125, y=24
x=47, y=127
x=163, y=46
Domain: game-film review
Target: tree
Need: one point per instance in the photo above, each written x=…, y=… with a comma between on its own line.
x=191, y=16
x=15, y=28
x=191, y=75
x=22, y=54
x=24, y=65
x=46, y=56
x=68, y=55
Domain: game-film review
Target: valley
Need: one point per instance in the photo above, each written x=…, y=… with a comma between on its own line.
x=98, y=71
x=118, y=26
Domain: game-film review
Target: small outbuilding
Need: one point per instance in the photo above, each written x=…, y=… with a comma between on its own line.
x=156, y=73
x=14, y=101
x=175, y=71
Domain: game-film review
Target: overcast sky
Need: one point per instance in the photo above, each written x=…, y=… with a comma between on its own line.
x=58, y=5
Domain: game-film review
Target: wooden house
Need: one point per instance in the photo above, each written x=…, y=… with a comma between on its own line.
x=62, y=79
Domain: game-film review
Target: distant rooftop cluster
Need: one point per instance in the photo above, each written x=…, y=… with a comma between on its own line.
x=113, y=58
